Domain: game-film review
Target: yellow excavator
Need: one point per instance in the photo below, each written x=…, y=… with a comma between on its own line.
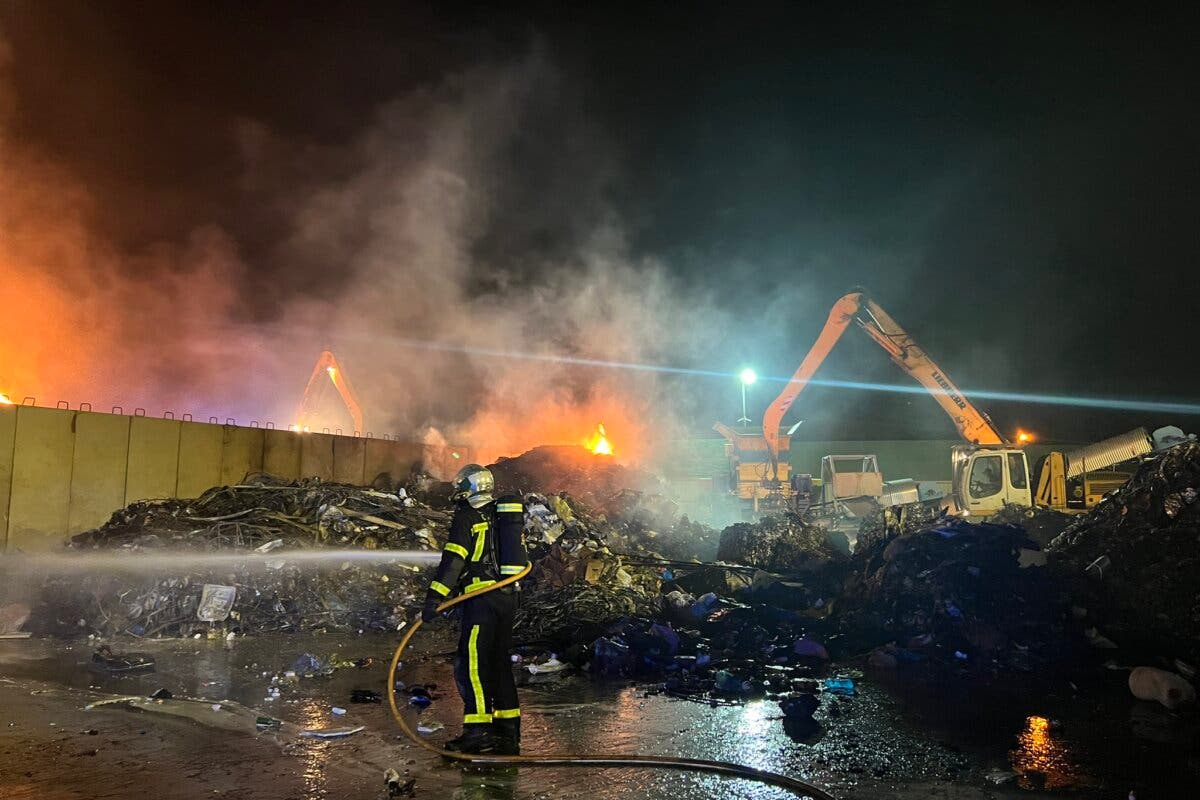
x=989, y=470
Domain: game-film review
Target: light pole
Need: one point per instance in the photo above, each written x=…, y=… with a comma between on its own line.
x=748, y=377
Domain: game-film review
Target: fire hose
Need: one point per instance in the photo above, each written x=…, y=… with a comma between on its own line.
x=699, y=765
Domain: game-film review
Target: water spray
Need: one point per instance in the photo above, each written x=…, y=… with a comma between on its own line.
x=170, y=561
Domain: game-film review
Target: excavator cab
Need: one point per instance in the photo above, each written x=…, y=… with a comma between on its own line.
x=985, y=478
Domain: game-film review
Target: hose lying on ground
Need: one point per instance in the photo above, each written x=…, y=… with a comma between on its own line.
x=718, y=767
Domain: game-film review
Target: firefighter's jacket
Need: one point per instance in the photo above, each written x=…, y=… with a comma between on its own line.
x=485, y=545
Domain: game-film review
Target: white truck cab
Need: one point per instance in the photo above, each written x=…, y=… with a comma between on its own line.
x=985, y=478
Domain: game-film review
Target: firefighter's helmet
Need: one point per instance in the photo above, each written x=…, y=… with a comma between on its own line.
x=474, y=484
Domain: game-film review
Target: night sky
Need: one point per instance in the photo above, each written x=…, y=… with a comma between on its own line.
x=1015, y=185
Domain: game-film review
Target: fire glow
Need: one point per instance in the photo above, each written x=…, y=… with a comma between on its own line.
x=4, y=401
x=598, y=442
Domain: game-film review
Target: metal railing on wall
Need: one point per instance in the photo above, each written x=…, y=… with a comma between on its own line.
x=64, y=476
x=187, y=416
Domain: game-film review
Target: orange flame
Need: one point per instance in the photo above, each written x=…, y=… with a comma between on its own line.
x=4, y=401
x=558, y=418
x=1025, y=437
x=598, y=442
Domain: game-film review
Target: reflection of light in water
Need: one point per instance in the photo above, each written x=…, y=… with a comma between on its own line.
x=315, y=754
x=1039, y=753
x=753, y=729
x=212, y=671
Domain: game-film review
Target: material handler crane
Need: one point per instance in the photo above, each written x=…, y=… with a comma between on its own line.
x=989, y=470
x=325, y=372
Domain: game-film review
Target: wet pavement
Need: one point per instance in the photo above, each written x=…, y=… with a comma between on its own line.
x=924, y=736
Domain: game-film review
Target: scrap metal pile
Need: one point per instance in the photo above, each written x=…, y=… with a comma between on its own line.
x=306, y=513
x=1135, y=559
x=589, y=570
x=271, y=593
x=617, y=586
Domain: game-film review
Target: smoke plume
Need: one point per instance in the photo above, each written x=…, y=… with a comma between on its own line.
x=393, y=258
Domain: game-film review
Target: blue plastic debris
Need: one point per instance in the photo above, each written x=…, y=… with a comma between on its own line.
x=609, y=657
x=668, y=638
x=731, y=684
x=704, y=604
x=842, y=686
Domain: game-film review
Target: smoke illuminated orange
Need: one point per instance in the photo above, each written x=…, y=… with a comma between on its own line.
x=504, y=429
x=598, y=442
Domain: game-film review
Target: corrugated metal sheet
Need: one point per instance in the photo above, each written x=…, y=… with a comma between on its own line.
x=1105, y=454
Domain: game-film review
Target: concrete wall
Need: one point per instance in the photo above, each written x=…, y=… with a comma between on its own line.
x=63, y=471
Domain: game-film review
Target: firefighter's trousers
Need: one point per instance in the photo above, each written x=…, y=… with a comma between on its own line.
x=483, y=665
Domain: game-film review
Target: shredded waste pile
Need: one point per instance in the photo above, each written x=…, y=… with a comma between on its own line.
x=1135, y=558
x=780, y=543
x=651, y=523
x=261, y=516
x=955, y=590
x=1040, y=524
x=578, y=583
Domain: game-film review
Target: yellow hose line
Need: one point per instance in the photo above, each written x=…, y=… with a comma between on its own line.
x=719, y=767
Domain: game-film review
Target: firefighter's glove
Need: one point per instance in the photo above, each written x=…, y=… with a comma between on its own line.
x=429, y=612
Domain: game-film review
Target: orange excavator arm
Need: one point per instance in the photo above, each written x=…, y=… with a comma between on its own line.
x=972, y=424
x=328, y=370
x=839, y=318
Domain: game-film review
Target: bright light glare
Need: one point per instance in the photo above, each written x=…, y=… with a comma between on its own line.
x=975, y=393
x=748, y=376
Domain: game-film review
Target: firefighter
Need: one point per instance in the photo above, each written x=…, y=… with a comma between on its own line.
x=485, y=546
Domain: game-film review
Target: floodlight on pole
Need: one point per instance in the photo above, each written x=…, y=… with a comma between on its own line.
x=748, y=376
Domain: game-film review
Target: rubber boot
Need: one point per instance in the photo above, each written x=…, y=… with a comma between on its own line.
x=508, y=736
x=476, y=738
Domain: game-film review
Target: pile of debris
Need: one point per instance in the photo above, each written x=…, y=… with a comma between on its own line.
x=952, y=589
x=1041, y=524
x=578, y=585
x=264, y=593
x=1135, y=558
x=262, y=509
x=651, y=524
x=886, y=522
x=559, y=617
x=634, y=524
x=575, y=470
x=780, y=543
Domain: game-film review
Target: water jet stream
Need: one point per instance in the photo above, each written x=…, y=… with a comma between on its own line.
x=168, y=562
